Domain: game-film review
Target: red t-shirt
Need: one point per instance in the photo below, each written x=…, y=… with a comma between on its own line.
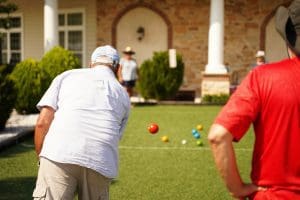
x=269, y=97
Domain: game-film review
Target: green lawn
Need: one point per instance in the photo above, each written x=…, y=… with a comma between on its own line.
x=149, y=168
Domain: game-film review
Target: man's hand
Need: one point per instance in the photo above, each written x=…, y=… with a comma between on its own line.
x=42, y=126
x=221, y=144
x=245, y=190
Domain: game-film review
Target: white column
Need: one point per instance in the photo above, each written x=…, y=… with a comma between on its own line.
x=216, y=39
x=50, y=24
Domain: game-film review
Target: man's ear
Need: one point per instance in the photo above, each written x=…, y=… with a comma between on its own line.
x=116, y=69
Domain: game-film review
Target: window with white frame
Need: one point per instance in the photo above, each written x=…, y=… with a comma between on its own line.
x=12, y=41
x=71, y=32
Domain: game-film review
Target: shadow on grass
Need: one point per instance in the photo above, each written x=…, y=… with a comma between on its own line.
x=20, y=188
x=17, y=188
x=114, y=181
x=21, y=146
x=144, y=104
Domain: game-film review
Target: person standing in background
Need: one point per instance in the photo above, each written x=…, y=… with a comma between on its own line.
x=260, y=58
x=128, y=71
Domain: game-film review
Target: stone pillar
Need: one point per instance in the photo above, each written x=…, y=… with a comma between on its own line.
x=215, y=79
x=50, y=24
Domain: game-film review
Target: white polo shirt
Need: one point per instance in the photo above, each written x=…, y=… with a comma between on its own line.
x=92, y=109
x=129, y=69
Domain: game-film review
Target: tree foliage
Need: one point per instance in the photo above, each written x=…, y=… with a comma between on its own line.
x=7, y=94
x=7, y=7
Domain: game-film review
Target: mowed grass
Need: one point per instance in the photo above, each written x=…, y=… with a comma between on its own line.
x=149, y=168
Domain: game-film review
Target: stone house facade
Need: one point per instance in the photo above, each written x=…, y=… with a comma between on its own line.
x=179, y=24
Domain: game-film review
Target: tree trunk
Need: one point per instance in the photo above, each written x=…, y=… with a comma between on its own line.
x=1, y=61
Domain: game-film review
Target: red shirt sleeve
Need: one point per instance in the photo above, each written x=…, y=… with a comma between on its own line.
x=242, y=107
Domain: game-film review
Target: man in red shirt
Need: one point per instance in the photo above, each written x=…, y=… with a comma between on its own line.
x=269, y=97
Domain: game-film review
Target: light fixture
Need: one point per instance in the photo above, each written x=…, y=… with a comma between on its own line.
x=140, y=33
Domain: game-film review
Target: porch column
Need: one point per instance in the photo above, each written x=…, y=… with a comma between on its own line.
x=50, y=24
x=215, y=79
x=216, y=39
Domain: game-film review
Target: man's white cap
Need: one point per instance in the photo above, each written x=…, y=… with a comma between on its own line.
x=260, y=54
x=105, y=54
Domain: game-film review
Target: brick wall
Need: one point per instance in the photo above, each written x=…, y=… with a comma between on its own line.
x=243, y=23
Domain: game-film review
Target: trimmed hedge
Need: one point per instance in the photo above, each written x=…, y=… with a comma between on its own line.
x=27, y=78
x=157, y=80
x=54, y=62
x=7, y=94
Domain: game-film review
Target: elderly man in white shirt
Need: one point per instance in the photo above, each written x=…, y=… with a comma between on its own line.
x=82, y=118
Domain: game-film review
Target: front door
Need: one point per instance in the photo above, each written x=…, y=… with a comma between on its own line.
x=144, y=30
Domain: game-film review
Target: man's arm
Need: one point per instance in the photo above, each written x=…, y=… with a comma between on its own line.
x=221, y=144
x=119, y=73
x=42, y=126
x=123, y=124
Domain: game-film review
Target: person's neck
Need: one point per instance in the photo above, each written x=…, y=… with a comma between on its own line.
x=105, y=68
x=101, y=65
x=291, y=53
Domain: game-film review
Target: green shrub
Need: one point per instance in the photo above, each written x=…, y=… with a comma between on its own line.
x=27, y=78
x=32, y=78
x=157, y=80
x=220, y=99
x=7, y=94
x=6, y=69
x=54, y=62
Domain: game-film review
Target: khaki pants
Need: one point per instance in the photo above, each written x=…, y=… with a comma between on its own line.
x=58, y=181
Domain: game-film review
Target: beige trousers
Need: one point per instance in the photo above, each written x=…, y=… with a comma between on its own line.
x=58, y=181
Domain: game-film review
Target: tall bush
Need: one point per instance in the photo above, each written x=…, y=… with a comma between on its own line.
x=7, y=94
x=157, y=80
x=54, y=62
x=27, y=78
x=32, y=78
